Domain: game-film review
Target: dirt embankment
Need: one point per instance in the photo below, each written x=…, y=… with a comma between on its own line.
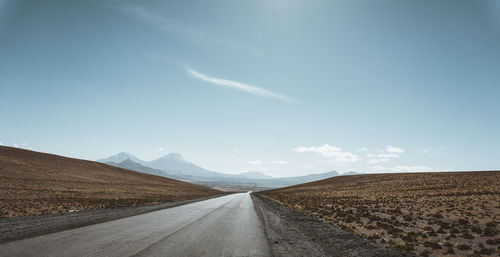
x=294, y=234
x=33, y=183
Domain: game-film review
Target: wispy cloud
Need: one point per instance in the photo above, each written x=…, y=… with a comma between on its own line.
x=329, y=151
x=388, y=155
x=394, y=149
x=391, y=152
x=383, y=158
x=260, y=163
x=376, y=161
x=24, y=145
x=160, y=149
x=403, y=168
x=238, y=85
x=193, y=36
x=256, y=162
x=1, y=143
x=432, y=150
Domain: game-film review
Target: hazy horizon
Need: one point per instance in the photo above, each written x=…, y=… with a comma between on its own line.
x=286, y=88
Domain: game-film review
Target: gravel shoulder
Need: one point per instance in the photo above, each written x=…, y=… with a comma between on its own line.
x=24, y=227
x=291, y=233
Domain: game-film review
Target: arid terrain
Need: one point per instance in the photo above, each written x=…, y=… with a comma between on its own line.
x=428, y=214
x=33, y=183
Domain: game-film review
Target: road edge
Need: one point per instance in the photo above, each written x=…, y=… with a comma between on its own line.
x=17, y=228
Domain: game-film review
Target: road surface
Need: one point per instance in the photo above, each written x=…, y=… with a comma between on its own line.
x=224, y=226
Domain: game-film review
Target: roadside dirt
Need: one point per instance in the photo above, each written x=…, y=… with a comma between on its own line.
x=291, y=234
x=29, y=226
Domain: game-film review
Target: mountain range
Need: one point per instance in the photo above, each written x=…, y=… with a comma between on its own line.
x=175, y=166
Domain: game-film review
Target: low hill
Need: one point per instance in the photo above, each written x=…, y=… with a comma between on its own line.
x=32, y=183
x=436, y=213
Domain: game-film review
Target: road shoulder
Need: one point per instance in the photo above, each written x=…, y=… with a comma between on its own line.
x=24, y=227
x=290, y=233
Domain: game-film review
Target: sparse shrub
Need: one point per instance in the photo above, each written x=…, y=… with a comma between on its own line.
x=491, y=242
x=445, y=225
x=491, y=225
x=433, y=244
x=428, y=228
x=463, y=247
x=489, y=232
x=486, y=251
x=437, y=216
x=467, y=236
x=425, y=253
x=476, y=229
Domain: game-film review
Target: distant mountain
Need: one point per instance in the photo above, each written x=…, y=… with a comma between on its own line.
x=307, y=178
x=120, y=157
x=254, y=175
x=351, y=173
x=133, y=166
x=175, y=166
x=175, y=162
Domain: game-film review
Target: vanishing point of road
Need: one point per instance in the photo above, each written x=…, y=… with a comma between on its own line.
x=223, y=226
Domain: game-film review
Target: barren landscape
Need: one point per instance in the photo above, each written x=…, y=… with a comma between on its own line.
x=33, y=183
x=428, y=214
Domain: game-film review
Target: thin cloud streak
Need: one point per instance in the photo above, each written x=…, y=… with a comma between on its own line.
x=329, y=151
x=238, y=85
x=193, y=36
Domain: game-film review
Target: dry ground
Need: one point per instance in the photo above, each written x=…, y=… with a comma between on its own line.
x=438, y=214
x=33, y=183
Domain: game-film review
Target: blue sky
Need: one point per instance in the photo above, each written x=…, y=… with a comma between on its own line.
x=284, y=87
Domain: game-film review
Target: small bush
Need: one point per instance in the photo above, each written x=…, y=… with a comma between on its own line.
x=463, y=247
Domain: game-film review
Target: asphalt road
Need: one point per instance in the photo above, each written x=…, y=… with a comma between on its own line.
x=224, y=226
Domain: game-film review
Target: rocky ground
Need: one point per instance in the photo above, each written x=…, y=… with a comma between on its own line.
x=294, y=234
x=428, y=214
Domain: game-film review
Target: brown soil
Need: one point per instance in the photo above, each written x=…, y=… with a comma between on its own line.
x=447, y=213
x=33, y=183
x=294, y=234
